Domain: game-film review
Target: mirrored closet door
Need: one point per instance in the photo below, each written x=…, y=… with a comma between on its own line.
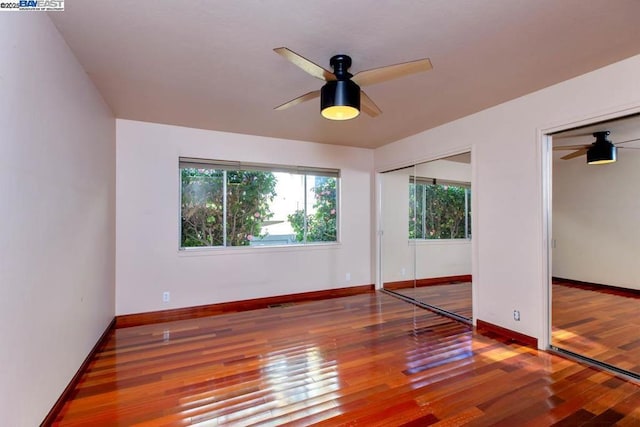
x=426, y=240
x=595, y=245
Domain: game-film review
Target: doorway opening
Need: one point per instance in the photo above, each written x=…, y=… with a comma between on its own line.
x=594, y=244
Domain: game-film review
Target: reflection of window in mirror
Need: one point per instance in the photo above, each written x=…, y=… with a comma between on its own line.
x=439, y=209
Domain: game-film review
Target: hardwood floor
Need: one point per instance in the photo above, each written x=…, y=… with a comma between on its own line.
x=602, y=325
x=454, y=297
x=369, y=360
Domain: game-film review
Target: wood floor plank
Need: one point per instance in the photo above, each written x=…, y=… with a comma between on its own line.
x=597, y=323
x=369, y=360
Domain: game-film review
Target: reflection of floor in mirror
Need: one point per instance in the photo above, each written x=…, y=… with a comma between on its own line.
x=599, y=324
x=454, y=297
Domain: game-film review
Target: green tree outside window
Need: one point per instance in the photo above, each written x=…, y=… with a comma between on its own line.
x=321, y=225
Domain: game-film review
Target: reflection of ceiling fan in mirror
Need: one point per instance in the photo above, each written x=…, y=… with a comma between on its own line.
x=599, y=152
x=341, y=97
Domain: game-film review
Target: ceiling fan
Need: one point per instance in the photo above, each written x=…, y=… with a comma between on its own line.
x=341, y=97
x=601, y=151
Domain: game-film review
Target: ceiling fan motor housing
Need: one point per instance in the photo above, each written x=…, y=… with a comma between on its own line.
x=340, y=93
x=602, y=151
x=341, y=65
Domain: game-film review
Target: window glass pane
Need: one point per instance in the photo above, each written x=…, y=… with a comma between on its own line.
x=280, y=228
x=202, y=207
x=321, y=209
x=249, y=198
x=439, y=211
x=445, y=212
x=412, y=211
x=420, y=211
x=468, y=236
x=316, y=219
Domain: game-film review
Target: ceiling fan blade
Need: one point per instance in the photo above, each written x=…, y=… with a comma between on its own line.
x=571, y=147
x=306, y=97
x=310, y=67
x=368, y=106
x=580, y=152
x=378, y=75
x=625, y=142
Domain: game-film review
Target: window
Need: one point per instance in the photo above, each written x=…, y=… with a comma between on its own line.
x=439, y=209
x=233, y=204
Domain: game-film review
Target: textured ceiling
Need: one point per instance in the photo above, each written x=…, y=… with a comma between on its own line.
x=210, y=64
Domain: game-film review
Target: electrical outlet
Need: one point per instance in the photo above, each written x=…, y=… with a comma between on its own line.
x=516, y=315
x=347, y=277
x=403, y=271
x=166, y=296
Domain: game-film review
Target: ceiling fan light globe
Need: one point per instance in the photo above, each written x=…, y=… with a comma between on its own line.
x=340, y=112
x=340, y=100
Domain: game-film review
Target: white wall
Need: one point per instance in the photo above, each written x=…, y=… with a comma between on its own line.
x=442, y=258
x=596, y=212
x=508, y=243
x=148, y=260
x=57, y=187
x=432, y=258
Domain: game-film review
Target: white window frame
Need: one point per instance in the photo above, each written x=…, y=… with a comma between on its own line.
x=226, y=165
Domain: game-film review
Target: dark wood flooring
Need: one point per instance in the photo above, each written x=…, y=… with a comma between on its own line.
x=365, y=360
x=599, y=324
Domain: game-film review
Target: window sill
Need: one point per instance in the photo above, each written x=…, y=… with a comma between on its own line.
x=253, y=250
x=429, y=242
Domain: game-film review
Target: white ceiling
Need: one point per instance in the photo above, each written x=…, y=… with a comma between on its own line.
x=210, y=64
